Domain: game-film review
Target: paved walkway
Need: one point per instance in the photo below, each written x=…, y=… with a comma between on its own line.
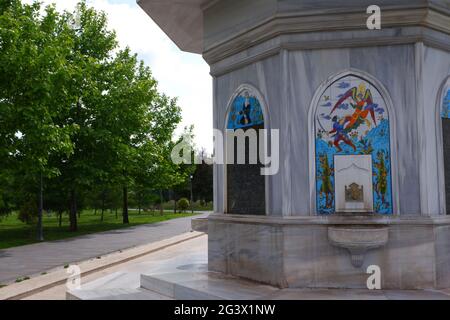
x=35, y=258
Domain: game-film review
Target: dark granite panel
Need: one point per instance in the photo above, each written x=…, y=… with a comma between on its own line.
x=446, y=140
x=245, y=186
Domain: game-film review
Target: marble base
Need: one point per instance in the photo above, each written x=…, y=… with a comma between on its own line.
x=199, y=225
x=296, y=252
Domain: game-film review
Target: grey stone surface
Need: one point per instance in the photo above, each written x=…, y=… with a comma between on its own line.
x=35, y=258
x=200, y=224
x=115, y=294
x=300, y=254
x=231, y=250
x=442, y=237
x=181, y=21
x=203, y=25
x=358, y=240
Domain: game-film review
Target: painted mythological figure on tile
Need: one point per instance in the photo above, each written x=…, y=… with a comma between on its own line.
x=352, y=119
x=245, y=112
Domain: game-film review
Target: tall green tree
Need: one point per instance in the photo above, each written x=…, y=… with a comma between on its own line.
x=78, y=114
x=153, y=168
x=33, y=81
x=123, y=121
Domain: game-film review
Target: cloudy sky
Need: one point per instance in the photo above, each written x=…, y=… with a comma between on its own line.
x=180, y=74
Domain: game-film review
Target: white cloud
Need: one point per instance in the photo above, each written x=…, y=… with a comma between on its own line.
x=179, y=74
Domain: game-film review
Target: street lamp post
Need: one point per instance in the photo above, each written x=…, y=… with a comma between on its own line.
x=192, y=195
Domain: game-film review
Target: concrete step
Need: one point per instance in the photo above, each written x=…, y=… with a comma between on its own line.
x=205, y=285
x=115, y=294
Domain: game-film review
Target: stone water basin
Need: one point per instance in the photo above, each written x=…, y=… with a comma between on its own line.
x=358, y=239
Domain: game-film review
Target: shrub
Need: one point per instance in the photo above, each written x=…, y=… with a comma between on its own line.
x=183, y=204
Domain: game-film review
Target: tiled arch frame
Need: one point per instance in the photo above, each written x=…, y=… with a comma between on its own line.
x=393, y=135
x=442, y=94
x=253, y=91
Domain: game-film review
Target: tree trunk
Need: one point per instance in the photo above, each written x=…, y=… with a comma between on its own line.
x=174, y=202
x=73, y=212
x=40, y=230
x=125, y=206
x=103, y=204
x=60, y=218
x=161, y=202
x=139, y=202
x=95, y=211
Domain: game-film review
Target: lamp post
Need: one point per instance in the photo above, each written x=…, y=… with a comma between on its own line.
x=191, y=177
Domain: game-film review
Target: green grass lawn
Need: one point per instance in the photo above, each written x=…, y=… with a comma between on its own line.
x=15, y=233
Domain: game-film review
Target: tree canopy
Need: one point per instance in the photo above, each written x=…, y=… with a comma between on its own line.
x=78, y=111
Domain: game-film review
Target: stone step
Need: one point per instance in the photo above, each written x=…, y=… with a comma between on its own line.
x=205, y=286
x=115, y=294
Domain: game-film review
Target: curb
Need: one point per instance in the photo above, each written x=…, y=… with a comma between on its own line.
x=17, y=291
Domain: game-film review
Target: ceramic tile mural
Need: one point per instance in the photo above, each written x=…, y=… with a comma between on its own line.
x=245, y=112
x=446, y=105
x=352, y=119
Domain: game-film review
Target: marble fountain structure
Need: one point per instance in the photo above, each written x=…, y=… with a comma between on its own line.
x=364, y=131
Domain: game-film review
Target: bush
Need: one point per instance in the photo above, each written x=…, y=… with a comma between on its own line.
x=183, y=204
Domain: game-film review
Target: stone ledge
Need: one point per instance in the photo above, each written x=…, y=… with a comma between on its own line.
x=407, y=35
x=333, y=220
x=282, y=24
x=200, y=225
x=415, y=257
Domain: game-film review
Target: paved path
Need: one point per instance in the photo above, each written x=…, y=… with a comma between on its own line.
x=36, y=258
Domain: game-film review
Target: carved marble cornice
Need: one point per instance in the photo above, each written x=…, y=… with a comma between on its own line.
x=429, y=17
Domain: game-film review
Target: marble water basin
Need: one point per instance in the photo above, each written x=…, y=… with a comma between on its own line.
x=358, y=239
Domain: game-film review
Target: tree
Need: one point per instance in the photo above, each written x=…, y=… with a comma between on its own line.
x=202, y=183
x=33, y=79
x=78, y=115
x=124, y=123
x=153, y=167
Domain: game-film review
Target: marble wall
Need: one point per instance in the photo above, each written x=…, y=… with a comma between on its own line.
x=290, y=80
x=290, y=247
x=433, y=68
x=298, y=254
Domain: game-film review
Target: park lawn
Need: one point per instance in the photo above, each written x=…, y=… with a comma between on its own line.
x=15, y=233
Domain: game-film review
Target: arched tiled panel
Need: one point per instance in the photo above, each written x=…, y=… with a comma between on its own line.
x=351, y=118
x=245, y=112
x=245, y=186
x=445, y=115
x=445, y=111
